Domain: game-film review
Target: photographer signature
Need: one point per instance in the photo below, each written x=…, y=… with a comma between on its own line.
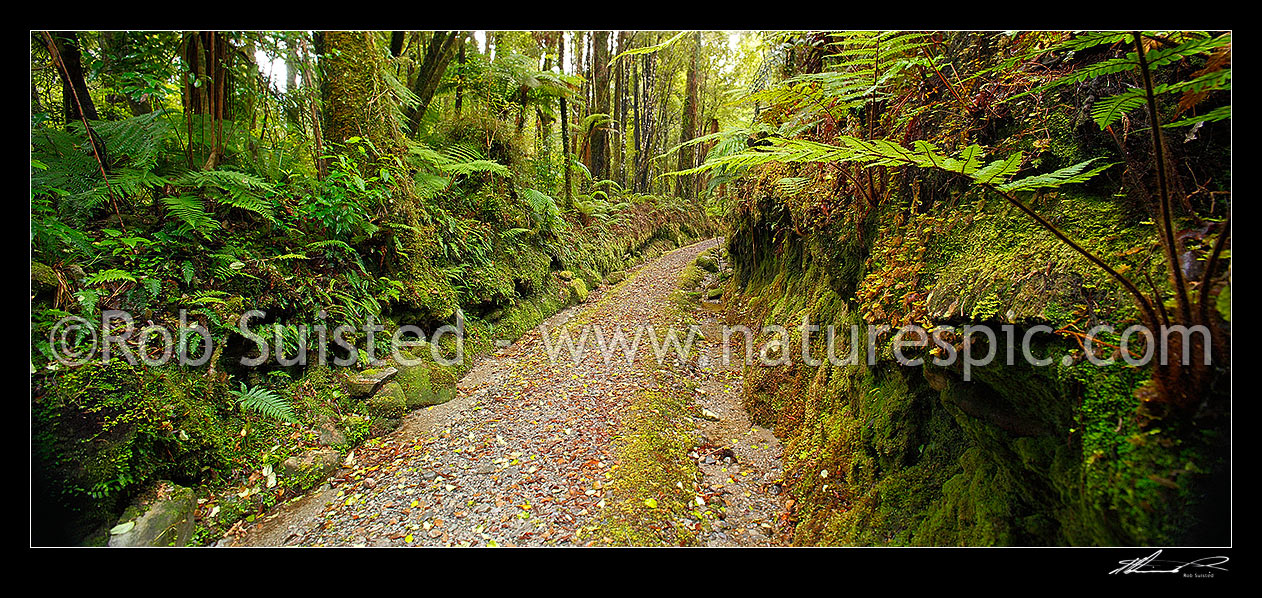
x=1151, y=564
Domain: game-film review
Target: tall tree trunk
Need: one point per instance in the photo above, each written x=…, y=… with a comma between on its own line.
x=600, y=84
x=460, y=59
x=565, y=126
x=356, y=106
x=579, y=46
x=311, y=90
x=687, y=128
x=620, y=111
x=649, y=62
x=663, y=126
x=438, y=54
x=66, y=44
x=635, y=108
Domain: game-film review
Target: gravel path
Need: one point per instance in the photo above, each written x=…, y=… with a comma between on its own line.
x=518, y=457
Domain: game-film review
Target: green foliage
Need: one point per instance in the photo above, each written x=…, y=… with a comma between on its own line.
x=264, y=401
x=192, y=213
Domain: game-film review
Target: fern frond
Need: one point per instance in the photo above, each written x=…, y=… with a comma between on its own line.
x=263, y=401
x=790, y=186
x=192, y=212
x=1217, y=114
x=1077, y=173
x=111, y=275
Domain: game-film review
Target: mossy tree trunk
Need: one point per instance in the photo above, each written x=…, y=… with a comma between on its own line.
x=600, y=72
x=358, y=103
x=683, y=184
x=72, y=82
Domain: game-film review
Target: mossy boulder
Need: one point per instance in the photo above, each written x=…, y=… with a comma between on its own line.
x=161, y=516
x=565, y=275
x=389, y=402
x=707, y=262
x=578, y=290
x=426, y=384
x=616, y=277
x=309, y=468
x=43, y=278
x=365, y=382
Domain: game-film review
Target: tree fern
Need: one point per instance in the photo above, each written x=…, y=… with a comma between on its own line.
x=263, y=401
x=1194, y=45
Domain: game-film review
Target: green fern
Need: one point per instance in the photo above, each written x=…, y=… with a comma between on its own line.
x=111, y=275
x=236, y=189
x=263, y=401
x=1194, y=45
x=880, y=152
x=192, y=212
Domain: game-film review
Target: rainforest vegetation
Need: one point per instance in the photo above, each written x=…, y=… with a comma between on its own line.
x=485, y=182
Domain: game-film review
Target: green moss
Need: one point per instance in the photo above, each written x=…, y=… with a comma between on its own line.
x=1021, y=455
x=578, y=290
x=645, y=504
x=390, y=402
x=43, y=277
x=426, y=384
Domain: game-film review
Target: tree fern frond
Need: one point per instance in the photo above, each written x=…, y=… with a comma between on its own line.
x=1077, y=173
x=1217, y=114
x=790, y=186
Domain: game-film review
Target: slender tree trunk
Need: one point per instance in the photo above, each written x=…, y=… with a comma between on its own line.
x=460, y=59
x=565, y=127
x=649, y=62
x=635, y=107
x=438, y=54
x=72, y=81
x=663, y=127
x=620, y=110
x=311, y=90
x=206, y=86
x=683, y=184
x=600, y=68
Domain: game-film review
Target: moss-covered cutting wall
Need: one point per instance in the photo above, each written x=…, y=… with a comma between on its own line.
x=914, y=455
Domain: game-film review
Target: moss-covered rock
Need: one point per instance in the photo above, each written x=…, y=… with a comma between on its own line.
x=364, y=383
x=578, y=290
x=707, y=262
x=308, y=468
x=389, y=402
x=161, y=516
x=426, y=384
x=43, y=278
